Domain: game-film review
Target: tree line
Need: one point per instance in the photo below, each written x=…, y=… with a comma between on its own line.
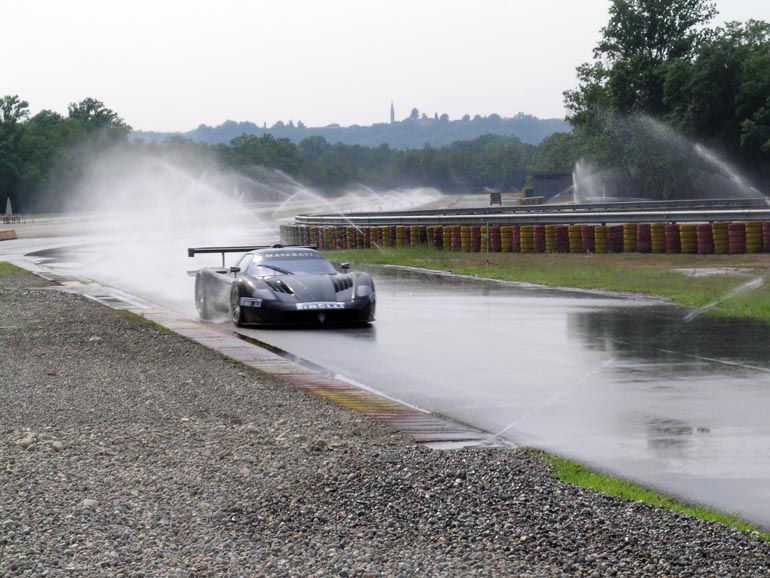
x=44, y=156
x=661, y=82
x=415, y=131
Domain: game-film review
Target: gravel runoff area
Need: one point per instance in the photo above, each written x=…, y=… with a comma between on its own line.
x=126, y=450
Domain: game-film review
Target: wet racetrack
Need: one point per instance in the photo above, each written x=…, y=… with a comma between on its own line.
x=626, y=385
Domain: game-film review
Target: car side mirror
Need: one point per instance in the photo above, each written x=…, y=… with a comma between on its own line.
x=345, y=266
x=235, y=270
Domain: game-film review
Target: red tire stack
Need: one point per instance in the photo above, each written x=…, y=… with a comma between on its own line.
x=438, y=237
x=367, y=237
x=516, y=238
x=538, y=239
x=705, y=238
x=456, y=243
x=615, y=239
x=495, y=245
x=766, y=236
x=393, y=230
x=736, y=236
x=475, y=239
x=643, y=238
x=561, y=239
x=672, y=239
x=587, y=235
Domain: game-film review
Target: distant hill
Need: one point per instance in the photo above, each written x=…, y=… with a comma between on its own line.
x=412, y=133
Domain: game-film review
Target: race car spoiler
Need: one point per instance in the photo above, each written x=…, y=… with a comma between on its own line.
x=192, y=251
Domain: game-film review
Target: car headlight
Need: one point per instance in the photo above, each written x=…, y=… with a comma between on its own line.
x=363, y=291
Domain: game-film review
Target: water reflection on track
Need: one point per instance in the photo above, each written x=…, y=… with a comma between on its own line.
x=625, y=384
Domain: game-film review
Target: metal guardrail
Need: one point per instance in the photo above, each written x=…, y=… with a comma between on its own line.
x=705, y=210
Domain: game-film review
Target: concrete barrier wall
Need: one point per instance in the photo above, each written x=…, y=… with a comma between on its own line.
x=7, y=235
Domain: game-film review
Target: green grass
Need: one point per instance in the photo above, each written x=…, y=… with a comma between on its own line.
x=652, y=275
x=7, y=268
x=578, y=475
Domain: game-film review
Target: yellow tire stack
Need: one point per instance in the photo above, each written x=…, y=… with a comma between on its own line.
x=465, y=239
x=629, y=237
x=506, y=238
x=446, y=236
x=754, y=236
x=400, y=236
x=527, y=239
x=658, y=237
x=550, y=238
x=600, y=239
x=575, y=239
x=688, y=238
x=721, y=238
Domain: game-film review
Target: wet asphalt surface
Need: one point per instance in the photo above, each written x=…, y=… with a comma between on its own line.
x=627, y=385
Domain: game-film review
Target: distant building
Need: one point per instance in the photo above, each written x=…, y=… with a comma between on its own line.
x=550, y=183
x=392, y=113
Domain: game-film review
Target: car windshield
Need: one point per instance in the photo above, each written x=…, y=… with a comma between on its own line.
x=284, y=266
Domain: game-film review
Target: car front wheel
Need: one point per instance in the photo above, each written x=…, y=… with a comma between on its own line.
x=236, y=312
x=201, y=304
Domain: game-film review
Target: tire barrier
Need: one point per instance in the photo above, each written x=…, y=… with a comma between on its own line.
x=506, y=239
x=550, y=238
x=615, y=238
x=720, y=236
x=753, y=237
x=587, y=239
x=672, y=239
x=658, y=237
x=538, y=238
x=562, y=239
x=455, y=243
x=465, y=239
x=575, y=239
x=703, y=239
x=629, y=237
x=600, y=239
x=516, y=238
x=527, y=239
x=495, y=242
x=736, y=238
x=688, y=240
x=644, y=238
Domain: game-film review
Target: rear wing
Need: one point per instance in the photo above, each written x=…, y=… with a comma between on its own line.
x=192, y=251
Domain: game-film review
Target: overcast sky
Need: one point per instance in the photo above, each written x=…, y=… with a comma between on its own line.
x=171, y=65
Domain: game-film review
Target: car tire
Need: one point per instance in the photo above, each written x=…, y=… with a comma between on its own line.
x=236, y=312
x=201, y=302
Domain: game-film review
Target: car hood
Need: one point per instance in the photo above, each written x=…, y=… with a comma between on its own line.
x=304, y=287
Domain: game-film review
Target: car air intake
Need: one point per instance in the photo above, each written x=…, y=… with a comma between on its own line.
x=342, y=283
x=279, y=286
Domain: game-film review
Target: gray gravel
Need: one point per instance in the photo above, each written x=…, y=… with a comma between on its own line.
x=126, y=450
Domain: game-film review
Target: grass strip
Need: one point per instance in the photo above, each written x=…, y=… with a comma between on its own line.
x=7, y=268
x=578, y=475
x=653, y=275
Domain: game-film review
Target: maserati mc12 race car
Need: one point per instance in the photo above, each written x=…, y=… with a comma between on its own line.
x=282, y=285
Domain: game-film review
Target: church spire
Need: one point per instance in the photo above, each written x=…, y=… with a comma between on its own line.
x=392, y=113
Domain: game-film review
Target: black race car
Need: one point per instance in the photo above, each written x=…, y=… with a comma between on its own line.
x=283, y=285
